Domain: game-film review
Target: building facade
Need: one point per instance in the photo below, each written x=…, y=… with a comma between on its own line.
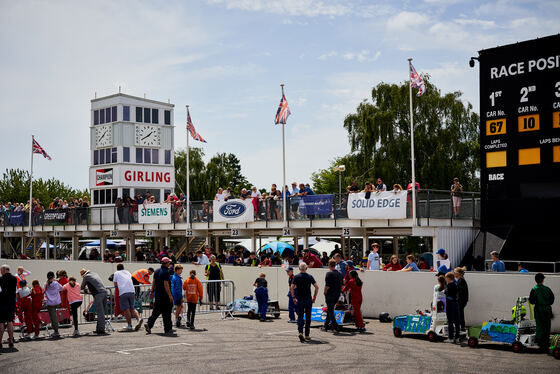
x=131, y=142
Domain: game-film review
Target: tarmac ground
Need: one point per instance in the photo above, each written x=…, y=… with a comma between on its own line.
x=243, y=345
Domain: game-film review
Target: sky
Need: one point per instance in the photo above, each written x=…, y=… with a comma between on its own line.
x=227, y=59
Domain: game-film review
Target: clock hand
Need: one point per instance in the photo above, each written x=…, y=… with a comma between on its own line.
x=147, y=135
x=102, y=136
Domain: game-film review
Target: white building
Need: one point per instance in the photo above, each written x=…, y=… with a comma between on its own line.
x=131, y=142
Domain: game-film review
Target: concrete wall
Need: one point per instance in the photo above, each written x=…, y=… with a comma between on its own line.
x=491, y=295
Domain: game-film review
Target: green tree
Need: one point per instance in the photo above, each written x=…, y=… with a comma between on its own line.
x=445, y=139
x=223, y=170
x=14, y=187
x=197, y=173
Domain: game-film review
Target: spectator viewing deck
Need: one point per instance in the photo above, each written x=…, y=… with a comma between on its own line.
x=434, y=209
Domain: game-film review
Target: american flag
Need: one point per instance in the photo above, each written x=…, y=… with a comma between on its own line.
x=191, y=129
x=416, y=81
x=36, y=148
x=283, y=111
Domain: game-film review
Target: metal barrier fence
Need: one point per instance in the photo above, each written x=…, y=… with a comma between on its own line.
x=216, y=296
x=532, y=266
x=430, y=204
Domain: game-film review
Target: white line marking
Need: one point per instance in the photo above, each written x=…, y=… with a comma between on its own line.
x=280, y=332
x=126, y=351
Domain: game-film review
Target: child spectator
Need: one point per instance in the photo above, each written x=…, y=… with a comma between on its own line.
x=393, y=265
x=410, y=264
x=74, y=297
x=354, y=285
x=26, y=311
x=37, y=296
x=463, y=294
x=52, y=293
x=177, y=292
x=452, y=308
x=438, y=301
x=261, y=292
x=193, y=294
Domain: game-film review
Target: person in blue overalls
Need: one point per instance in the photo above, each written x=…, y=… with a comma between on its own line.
x=291, y=306
x=261, y=292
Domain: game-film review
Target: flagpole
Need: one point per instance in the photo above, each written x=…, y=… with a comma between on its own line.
x=283, y=167
x=188, y=176
x=412, y=145
x=31, y=185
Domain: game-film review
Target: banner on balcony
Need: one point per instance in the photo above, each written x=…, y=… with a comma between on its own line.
x=316, y=205
x=154, y=213
x=234, y=211
x=54, y=217
x=378, y=205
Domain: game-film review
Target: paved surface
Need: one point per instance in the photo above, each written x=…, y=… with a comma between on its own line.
x=243, y=345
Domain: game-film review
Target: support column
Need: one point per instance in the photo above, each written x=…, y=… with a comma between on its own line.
x=305, y=240
x=22, y=244
x=216, y=243
x=168, y=241
x=365, y=243
x=47, y=247
x=102, y=245
x=75, y=247
x=396, y=245
x=54, y=248
x=254, y=242
x=343, y=246
x=296, y=243
x=130, y=248
x=208, y=239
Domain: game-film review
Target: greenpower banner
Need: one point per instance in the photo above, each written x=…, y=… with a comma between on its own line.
x=154, y=213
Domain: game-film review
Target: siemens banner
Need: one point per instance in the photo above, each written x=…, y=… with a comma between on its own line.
x=154, y=213
x=233, y=211
x=379, y=205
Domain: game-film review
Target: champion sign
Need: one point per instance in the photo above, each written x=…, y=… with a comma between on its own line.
x=104, y=177
x=233, y=211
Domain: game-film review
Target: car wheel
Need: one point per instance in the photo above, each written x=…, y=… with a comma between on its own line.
x=517, y=347
x=251, y=314
x=556, y=353
x=473, y=342
x=397, y=332
x=276, y=315
x=432, y=336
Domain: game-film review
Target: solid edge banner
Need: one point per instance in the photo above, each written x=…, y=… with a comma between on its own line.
x=379, y=205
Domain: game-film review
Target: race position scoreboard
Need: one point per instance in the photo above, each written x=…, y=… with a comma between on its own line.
x=520, y=133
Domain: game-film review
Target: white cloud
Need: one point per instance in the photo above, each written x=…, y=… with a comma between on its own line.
x=406, y=20
x=309, y=8
x=361, y=56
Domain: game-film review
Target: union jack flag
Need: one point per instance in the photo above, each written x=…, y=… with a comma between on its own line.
x=36, y=148
x=416, y=81
x=283, y=111
x=191, y=129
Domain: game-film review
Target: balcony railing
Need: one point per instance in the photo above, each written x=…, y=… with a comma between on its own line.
x=431, y=204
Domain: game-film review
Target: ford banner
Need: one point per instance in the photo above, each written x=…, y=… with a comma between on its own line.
x=154, y=213
x=379, y=205
x=316, y=204
x=234, y=211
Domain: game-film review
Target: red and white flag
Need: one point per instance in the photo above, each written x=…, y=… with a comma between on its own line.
x=416, y=81
x=36, y=148
x=191, y=129
x=283, y=111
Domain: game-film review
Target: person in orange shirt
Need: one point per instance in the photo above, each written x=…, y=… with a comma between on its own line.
x=193, y=294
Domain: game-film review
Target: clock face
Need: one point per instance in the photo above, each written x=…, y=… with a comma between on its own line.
x=104, y=136
x=147, y=135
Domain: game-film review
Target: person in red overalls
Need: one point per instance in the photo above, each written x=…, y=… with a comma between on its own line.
x=354, y=285
x=24, y=302
x=37, y=296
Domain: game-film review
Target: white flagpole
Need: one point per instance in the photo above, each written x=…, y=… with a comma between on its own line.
x=188, y=176
x=31, y=185
x=283, y=167
x=412, y=145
